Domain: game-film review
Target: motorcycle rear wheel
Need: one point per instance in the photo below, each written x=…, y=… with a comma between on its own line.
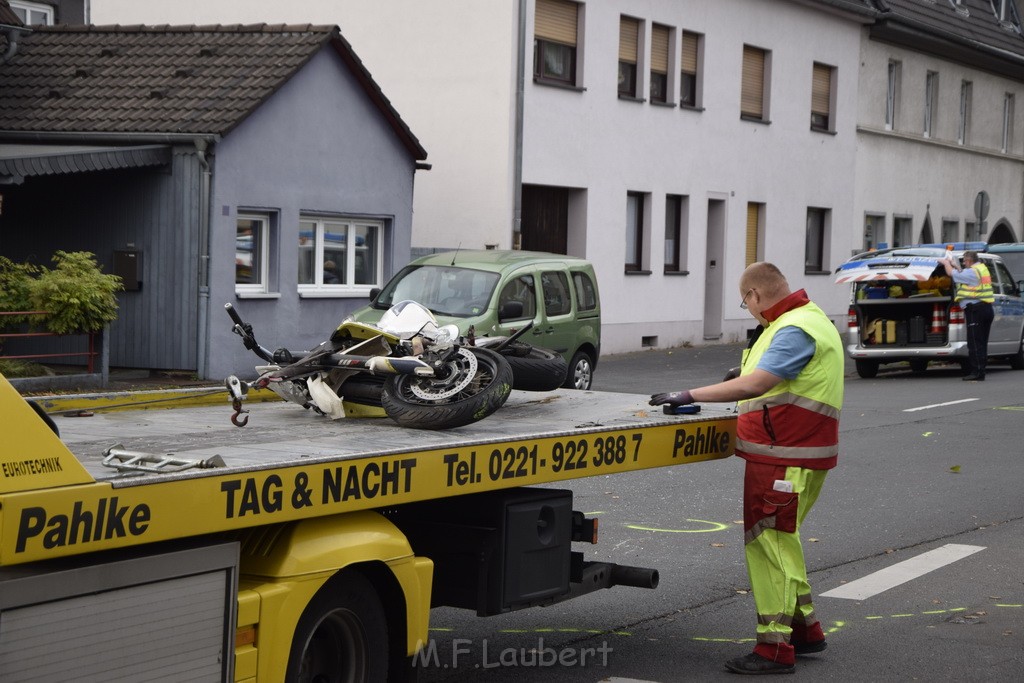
x=487, y=391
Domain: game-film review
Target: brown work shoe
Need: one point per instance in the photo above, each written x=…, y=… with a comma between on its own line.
x=755, y=664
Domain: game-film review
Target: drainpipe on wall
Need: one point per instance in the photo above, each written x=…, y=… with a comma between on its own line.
x=203, y=350
x=517, y=179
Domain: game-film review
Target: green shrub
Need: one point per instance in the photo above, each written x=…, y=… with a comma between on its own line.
x=15, y=282
x=75, y=293
x=22, y=368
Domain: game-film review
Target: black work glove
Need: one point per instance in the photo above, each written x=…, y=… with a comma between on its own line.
x=675, y=398
x=733, y=373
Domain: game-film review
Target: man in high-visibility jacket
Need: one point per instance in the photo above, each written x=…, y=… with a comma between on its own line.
x=975, y=296
x=790, y=392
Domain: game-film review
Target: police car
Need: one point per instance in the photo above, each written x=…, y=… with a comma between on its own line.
x=902, y=308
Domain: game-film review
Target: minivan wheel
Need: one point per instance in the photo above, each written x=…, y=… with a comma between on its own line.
x=867, y=368
x=1017, y=359
x=581, y=372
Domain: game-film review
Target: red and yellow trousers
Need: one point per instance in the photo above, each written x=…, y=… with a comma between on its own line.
x=776, y=499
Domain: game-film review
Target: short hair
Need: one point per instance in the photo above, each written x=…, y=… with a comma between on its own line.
x=971, y=254
x=766, y=278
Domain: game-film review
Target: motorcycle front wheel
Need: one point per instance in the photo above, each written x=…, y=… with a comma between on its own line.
x=478, y=383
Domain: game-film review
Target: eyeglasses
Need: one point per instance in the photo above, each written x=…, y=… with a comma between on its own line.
x=743, y=304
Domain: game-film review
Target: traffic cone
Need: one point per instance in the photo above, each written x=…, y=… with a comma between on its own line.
x=938, y=318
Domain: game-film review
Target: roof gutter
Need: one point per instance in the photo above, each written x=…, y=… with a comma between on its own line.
x=106, y=138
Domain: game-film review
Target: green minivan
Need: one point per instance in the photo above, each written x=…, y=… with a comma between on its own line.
x=496, y=292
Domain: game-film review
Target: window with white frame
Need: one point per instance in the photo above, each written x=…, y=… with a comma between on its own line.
x=254, y=239
x=676, y=232
x=874, y=230
x=555, y=30
x=892, y=94
x=823, y=83
x=754, y=84
x=635, y=231
x=1008, y=101
x=950, y=230
x=902, y=231
x=339, y=255
x=690, y=68
x=964, y=129
x=629, y=51
x=816, y=244
x=931, y=102
x=33, y=13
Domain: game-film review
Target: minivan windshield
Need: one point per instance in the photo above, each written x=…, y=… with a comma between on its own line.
x=445, y=290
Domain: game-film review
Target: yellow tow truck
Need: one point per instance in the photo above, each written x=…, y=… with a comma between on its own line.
x=169, y=544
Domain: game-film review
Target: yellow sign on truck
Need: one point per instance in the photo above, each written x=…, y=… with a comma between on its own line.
x=170, y=543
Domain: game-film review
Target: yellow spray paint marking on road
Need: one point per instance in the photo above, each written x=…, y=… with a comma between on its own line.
x=1010, y=408
x=715, y=526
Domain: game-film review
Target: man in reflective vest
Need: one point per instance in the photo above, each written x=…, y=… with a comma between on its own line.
x=975, y=296
x=790, y=392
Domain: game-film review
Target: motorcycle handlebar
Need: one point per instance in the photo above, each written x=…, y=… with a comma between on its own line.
x=235, y=318
x=244, y=330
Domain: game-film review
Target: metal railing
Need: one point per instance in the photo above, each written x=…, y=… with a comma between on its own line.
x=91, y=354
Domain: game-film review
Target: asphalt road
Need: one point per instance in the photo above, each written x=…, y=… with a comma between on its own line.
x=928, y=463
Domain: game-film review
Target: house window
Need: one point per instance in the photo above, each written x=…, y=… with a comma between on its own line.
x=32, y=13
x=339, y=255
x=931, y=102
x=634, y=231
x=822, y=97
x=690, y=69
x=629, y=43
x=676, y=232
x=755, y=229
x=252, y=254
x=554, y=41
x=874, y=231
x=1007, y=123
x=659, y=63
x=816, y=244
x=892, y=95
x=902, y=227
x=753, y=90
x=972, y=233
x=950, y=231
x=964, y=129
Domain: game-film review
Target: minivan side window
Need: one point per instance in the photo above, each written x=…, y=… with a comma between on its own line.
x=1006, y=284
x=519, y=292
x=555, y=286
x=586, y=293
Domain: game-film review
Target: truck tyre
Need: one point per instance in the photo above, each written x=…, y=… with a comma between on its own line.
x=918, y=365
x=534, y=368
x=1017, y=359
x=339, y=637
x=424, y=403
x=581, y=372
x=867, y=368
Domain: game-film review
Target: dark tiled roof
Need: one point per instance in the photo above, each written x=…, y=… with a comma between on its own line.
x=163, y=79
x=7, y=15
x=957, y=30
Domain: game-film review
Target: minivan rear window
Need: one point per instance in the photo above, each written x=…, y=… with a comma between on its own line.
x=586, y=292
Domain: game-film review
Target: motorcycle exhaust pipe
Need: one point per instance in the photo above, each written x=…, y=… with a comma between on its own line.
x=637, y=577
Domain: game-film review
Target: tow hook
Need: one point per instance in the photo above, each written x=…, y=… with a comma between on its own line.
x=238, y=389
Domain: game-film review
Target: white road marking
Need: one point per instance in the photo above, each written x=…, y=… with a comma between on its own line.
x=939, y=405
x=901, y=572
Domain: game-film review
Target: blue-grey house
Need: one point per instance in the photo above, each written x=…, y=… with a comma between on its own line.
x=257, y=165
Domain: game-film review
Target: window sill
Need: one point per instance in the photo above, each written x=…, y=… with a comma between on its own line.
x=677, y=272
x=690, y=107
x=817, y=272
x=338, y=294
x=638, y=272
x=667, y=105
x=751, y=119
x=823, y=131
x=558, y=84
x=257, y=295
x=631, y=98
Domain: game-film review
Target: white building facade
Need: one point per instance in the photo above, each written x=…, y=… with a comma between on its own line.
x=671, y=142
